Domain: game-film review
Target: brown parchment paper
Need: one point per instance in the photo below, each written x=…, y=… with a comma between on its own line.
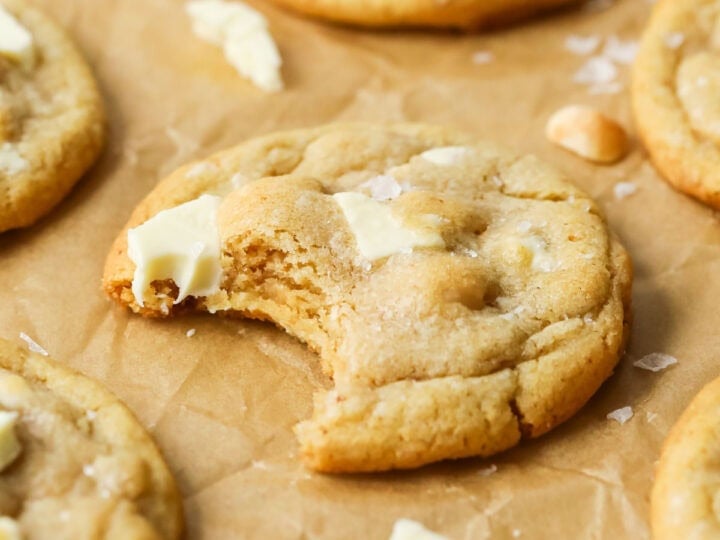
x=221, y=404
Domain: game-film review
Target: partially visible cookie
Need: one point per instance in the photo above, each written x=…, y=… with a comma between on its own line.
x=466, y=14
x=676, y=81
x=51, y=115
x=460, y=296
x=686, y=494
x=74, y=462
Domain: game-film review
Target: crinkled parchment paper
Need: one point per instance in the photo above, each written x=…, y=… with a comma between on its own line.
x=221, y=404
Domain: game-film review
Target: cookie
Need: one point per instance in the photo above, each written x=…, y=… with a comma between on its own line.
x=460, y=296
x=686, y=494
x=676, y=78
x=51, y=115
x=74, y=461
x=464, y=14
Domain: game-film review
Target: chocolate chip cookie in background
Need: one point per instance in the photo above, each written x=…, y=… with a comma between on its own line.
x=676, y=80
x=464, y=14
x=686, y=493
x=460, y=296
x=74, y=462
x=51, y=115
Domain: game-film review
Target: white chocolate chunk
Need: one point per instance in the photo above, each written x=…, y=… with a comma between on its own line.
x=378, y=232
x=16, y=43
x=9, y=529
x=407, y=529
x=13, y=389
x=536, y=248
x=587, y=133
x=181, y=244
x=9, y=445
x=11, y=162
x=244, y=36
x=445, y=155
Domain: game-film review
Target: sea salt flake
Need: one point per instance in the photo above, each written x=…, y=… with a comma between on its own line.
x=582, y=45
x=674, y=40
x=90, y=414
x=32, y=344
x=487, y=471
x=516, y=533
x=524, y=226
x=621, y=415
x=614, y=87
x=88, y=470
x=651, y=416
x=597, y=70
x=622, y=190
x=483, y=57
x=190, y=333
x=655, y=361
x=383, y=187
x=620, y=51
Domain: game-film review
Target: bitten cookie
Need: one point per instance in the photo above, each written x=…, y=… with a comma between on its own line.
x=466, y=14
x=51, y=116
x=460, y=296
x=74, y=462
x=686, y=494
x=676, y=80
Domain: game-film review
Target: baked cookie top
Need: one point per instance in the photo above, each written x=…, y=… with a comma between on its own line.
x=676, y=79
x=74, y=462
x=459, y=295
x=686, y=493
x=466, y=14
x=51, y=116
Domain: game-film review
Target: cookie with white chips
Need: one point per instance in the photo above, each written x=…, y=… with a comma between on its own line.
x=461, y=297
x=676, y=80
x=74, y=461
x=51, y=115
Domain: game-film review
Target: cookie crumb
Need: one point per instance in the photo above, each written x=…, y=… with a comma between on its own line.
x=623, y=190
x=587, y=133
x=655, y=362
x=190, y=333
x=32, y=344
x=582, y=45
x=621, y=415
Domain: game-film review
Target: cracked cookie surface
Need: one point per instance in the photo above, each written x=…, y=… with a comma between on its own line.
x=86, y=469
x=686, y=493
x=51, y=120
x=467, y=14
x=440, y=351
x=676, y=79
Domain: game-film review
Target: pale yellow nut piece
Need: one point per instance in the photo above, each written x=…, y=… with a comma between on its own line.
x=9, y=529
x=587, y=133
x=9, y=445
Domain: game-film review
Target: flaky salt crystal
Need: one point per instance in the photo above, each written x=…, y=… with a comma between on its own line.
x=655, y=361
x=621, y=415
x=582, y=45
x=623, y=52
x=383, y=187
x=483, y=57
x=597, y=70
x=524, y=226
x=32, y=344
x=622, y=190
x=190, y=333
x=487, y=471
